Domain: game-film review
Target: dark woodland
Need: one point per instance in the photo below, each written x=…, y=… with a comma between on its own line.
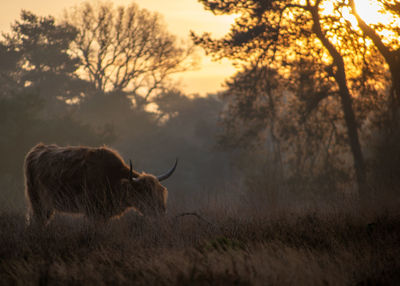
x=289, y=176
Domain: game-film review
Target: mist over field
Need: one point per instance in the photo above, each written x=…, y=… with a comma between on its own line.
x=289, y=176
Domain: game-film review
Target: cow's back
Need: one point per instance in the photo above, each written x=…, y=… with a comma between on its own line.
x=55, y=176
x=68, y=177
x=52, y=164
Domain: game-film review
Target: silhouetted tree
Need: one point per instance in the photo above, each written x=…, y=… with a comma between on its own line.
x=44, y=65
x=9, y=73
x=280, y=118
x=281, y=33
x=126, y=50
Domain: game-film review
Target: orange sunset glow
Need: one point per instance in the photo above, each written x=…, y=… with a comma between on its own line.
x=183, y=16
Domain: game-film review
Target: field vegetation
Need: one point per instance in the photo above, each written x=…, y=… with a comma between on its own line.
x=334, y=246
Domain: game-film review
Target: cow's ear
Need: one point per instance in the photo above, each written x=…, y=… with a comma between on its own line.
x=125, y=183
x=135, y=180
x=137, y=183
x=140, y=186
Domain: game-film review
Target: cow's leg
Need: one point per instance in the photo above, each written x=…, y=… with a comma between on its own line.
x=39, y=214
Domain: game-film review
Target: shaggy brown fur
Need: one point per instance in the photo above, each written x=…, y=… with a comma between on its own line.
x=92, y=181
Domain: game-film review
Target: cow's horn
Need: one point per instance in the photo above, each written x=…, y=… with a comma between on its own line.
x=169, y=173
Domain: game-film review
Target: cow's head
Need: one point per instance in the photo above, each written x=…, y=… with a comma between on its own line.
x=146, y=193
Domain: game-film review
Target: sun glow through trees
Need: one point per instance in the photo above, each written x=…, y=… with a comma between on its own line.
x=374, y=13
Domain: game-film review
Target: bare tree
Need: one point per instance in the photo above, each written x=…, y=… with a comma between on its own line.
x=126, y=49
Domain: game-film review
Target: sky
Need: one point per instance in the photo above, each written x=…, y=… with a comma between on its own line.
x=181, y=16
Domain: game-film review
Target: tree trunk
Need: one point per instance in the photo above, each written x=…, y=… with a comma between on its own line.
x=352, y=131
x=346, y=100
x=394, y=66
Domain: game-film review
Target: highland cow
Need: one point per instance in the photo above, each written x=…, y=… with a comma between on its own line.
x=92, y=181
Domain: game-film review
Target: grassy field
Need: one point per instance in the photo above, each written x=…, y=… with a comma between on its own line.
x=306, y=247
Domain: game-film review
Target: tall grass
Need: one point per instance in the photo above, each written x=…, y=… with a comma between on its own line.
x=303, y=247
